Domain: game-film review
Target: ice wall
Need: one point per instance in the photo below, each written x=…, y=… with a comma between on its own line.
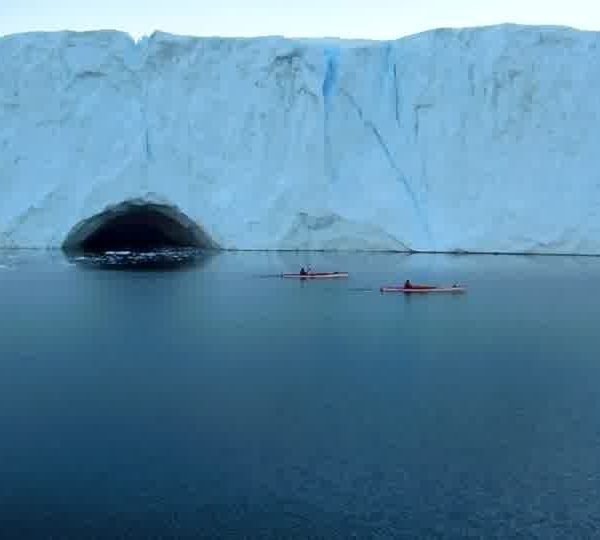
x=452, y=140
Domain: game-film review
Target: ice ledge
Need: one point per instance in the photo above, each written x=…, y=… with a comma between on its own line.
x=479, y=139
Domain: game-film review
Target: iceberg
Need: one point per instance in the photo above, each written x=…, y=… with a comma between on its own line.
x=467, y=140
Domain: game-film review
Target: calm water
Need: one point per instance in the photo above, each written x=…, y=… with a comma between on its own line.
x=214, y=403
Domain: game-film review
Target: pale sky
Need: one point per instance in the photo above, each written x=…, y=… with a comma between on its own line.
x=373, y=19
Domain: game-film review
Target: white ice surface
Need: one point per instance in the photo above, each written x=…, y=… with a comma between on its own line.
x=452, y=140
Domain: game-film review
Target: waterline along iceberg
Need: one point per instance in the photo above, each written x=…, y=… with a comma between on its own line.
x=475, y=140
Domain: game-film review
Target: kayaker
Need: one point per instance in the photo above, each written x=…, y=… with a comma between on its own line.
x=302, y=271
x=407, y=284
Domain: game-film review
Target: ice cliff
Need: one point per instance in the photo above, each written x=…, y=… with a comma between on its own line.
x=453, y=140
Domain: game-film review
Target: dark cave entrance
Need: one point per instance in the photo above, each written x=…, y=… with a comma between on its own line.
x=137, y=226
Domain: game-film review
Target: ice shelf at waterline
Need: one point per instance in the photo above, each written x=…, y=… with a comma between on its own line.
x=481, y=139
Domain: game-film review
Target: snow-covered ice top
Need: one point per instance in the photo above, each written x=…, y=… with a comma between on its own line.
x=479, y=139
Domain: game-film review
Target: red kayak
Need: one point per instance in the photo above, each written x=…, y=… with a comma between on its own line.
x=423, y=289
x=317, y=275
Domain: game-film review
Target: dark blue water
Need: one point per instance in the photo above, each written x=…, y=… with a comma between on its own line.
x=214, y=403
